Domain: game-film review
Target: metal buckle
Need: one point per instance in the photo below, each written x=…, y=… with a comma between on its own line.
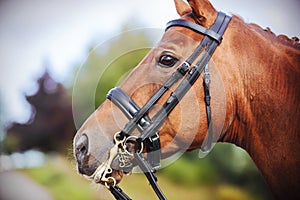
x=103, y=171
x=153, y=151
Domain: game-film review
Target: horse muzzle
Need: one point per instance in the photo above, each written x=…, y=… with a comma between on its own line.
x=110, y=171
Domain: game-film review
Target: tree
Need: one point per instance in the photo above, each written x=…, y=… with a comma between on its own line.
x=51, y=126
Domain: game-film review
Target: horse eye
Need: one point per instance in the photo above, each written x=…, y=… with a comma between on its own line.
x=167, y=61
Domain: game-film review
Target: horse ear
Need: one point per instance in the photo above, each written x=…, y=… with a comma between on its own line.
x=182, y=7
x=204, y=11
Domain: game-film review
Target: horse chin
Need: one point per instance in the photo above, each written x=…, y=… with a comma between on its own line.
x=115, y=176
x=117, y=172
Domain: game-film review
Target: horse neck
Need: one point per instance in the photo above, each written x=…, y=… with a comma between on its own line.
x=263, y=81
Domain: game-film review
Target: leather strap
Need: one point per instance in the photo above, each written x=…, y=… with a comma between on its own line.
x=118, y=193
x=195, y=27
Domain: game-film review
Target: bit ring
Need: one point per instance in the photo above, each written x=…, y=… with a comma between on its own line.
x=135, y=137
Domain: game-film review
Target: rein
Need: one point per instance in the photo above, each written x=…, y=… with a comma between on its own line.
x=148, y=128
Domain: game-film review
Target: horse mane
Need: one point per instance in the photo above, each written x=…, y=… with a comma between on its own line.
x=294, y=41
x=291, y=42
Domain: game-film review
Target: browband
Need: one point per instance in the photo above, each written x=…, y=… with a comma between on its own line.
x=214, y=34
x=195, y=27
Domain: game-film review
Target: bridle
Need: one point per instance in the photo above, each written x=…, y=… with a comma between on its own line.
x=148, y=128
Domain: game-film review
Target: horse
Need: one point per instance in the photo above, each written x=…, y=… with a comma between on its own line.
x=256, y=72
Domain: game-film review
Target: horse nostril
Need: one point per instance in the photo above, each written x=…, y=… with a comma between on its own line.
x=81, y=148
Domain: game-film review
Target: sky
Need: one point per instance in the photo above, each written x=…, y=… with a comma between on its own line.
x=58, y=33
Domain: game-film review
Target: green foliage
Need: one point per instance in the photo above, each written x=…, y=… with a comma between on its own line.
x=136, y=187
x=225, y=164
x=187, y=171
x=62, y=182
x=9, y=144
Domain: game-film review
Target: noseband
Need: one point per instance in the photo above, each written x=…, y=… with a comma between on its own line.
x=148, y=128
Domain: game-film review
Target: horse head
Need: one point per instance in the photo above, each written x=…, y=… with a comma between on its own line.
x=235, y=110
x=94, y=139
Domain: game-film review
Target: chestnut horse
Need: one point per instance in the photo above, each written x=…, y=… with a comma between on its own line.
x=260, y=73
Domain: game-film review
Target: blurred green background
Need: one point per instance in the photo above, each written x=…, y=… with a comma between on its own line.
x=226, y=173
